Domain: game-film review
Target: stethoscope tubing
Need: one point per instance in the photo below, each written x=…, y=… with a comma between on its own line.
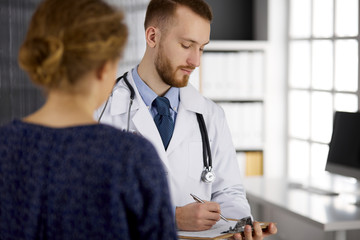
x=207, y=159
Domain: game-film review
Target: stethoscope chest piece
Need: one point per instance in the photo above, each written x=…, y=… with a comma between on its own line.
x=207, y=175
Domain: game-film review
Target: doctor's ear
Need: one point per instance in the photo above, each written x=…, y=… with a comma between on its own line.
x=152, y=36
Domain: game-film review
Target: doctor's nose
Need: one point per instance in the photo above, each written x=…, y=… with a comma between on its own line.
x=194, y=58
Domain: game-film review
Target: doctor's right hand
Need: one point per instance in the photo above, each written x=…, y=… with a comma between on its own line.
x=197, y=216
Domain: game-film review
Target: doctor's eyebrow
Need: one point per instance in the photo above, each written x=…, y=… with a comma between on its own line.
x=193, y=41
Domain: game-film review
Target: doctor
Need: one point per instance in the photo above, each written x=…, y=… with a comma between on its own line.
x=176, y=33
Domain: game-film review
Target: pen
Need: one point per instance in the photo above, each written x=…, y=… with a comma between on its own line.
x=201, y=201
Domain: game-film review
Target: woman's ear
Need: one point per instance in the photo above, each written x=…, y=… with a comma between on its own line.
x=106, y=70
x=152, y=36
x=101, y=71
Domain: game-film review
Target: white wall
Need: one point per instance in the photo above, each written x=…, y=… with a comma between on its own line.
x=275, y=96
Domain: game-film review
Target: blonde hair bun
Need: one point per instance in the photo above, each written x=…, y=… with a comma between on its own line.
x=41, y=58
x=67, y=39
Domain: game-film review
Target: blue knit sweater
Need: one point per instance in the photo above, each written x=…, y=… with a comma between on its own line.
x=83, y=182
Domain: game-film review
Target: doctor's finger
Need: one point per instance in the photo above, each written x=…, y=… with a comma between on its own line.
x=272, y=229
x=209, y=222
x=236, y=236
x=214, y=216
x=212, y=206
x=248, y=232
x=258, y=234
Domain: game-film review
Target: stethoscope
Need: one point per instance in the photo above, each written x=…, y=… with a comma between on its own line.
x=207, y=175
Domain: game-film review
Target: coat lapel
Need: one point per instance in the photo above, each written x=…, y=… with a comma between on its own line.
x=182, y=130
x=191, y=102
x=145, y=125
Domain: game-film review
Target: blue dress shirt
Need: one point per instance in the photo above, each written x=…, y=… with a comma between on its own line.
x=148, y=95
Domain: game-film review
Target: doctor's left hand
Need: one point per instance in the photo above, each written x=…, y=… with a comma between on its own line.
x=197, y=216
x=257, y=234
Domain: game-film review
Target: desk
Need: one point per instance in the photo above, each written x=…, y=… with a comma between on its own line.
x=329, y=214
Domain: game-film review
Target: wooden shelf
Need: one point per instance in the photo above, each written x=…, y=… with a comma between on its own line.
x=240, y=150
x=245, y=100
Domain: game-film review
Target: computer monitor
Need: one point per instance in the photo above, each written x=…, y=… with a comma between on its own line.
x=344, y=147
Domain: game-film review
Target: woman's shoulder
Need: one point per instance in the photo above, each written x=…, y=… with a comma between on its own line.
x=130, y=148
x=121, y=139
x=11, y=129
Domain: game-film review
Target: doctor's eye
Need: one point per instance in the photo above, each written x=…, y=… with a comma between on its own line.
x=185, y=46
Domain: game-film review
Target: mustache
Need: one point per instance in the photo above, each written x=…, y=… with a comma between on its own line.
x=186, y=67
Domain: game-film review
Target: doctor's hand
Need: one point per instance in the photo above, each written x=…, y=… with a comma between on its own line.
x=197, y=216
x=257, y=234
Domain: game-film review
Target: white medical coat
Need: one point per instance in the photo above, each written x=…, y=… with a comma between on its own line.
x=183, y=159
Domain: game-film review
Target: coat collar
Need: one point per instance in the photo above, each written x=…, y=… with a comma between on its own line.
x=191, y=101
x=121, y=97
x=190, y=98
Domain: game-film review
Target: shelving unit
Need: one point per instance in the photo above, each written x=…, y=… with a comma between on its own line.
x=235, y=78
x=232, y=74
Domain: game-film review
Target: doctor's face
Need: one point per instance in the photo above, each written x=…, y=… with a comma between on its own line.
x=181, y=46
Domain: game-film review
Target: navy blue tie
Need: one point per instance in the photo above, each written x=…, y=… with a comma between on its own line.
x=163, y=120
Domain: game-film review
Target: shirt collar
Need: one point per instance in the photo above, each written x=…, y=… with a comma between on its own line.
x=148, y=95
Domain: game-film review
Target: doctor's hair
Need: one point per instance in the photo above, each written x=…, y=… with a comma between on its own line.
x=67, y=39
x=159, y=13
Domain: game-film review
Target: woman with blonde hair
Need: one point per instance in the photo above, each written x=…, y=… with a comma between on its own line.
x=62, y=175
